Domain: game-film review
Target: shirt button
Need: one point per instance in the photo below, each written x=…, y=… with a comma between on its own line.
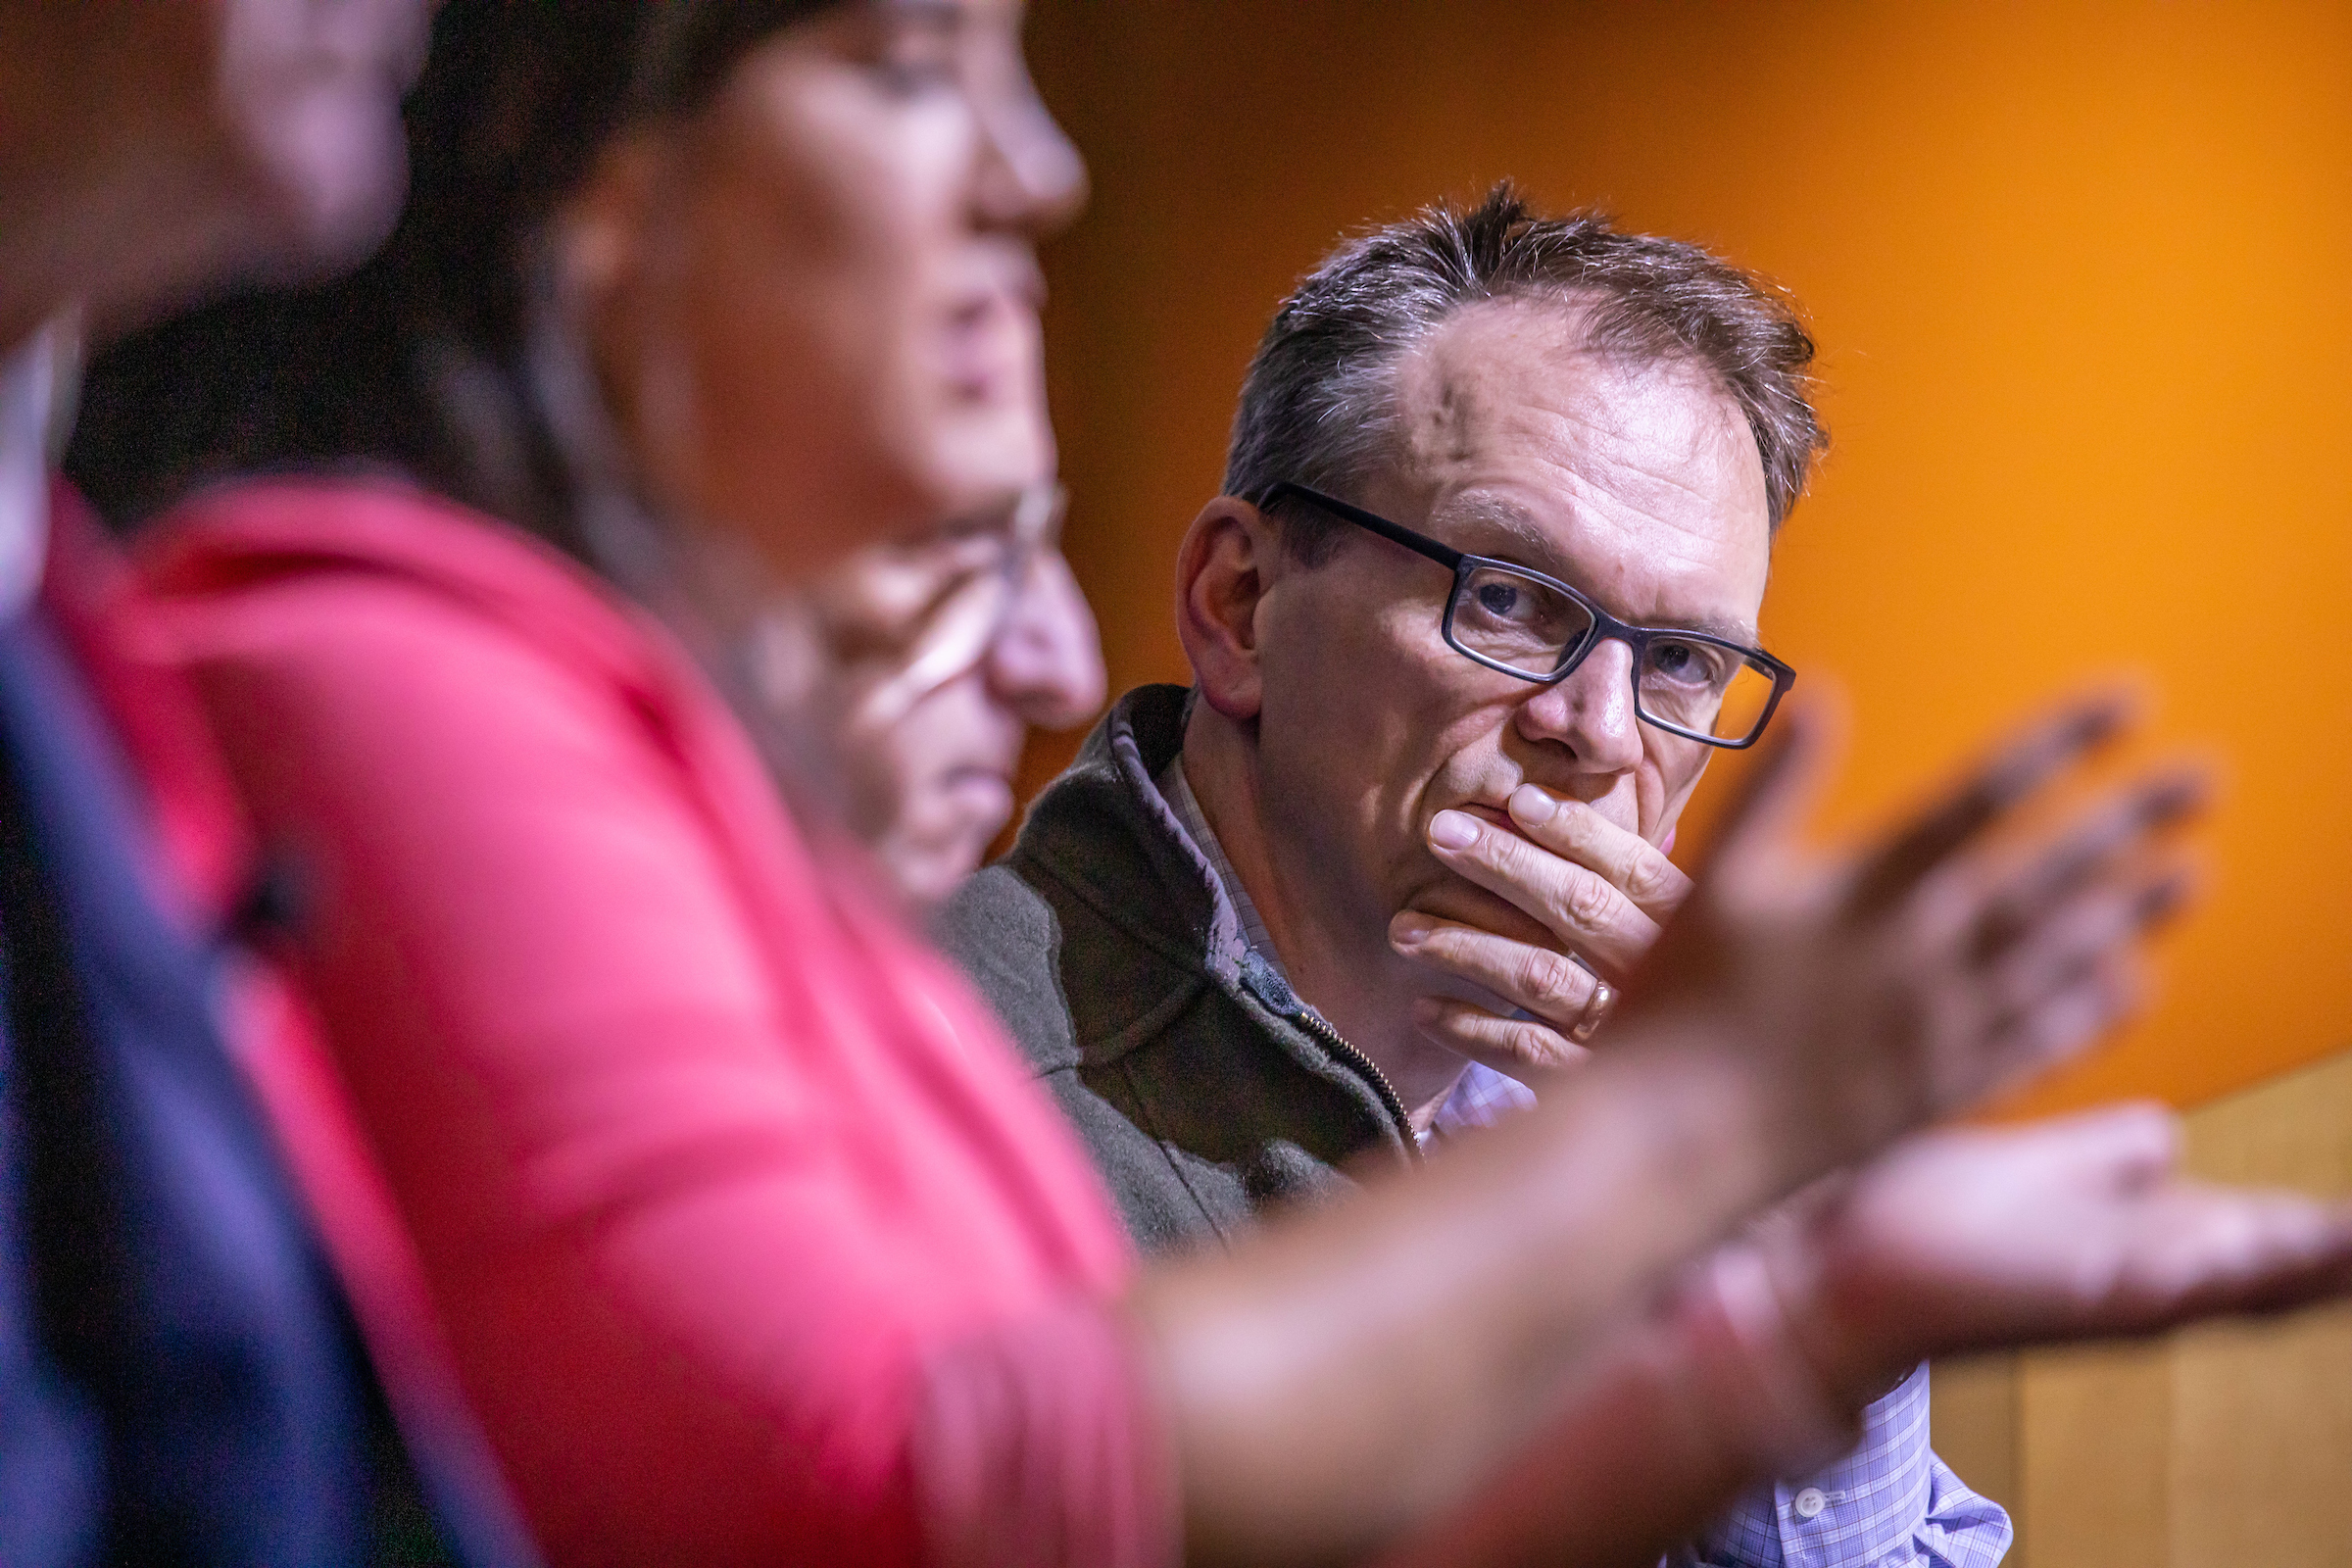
x=1810, y=1502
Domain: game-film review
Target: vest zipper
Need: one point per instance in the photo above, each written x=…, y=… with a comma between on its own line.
x=1313, y=1023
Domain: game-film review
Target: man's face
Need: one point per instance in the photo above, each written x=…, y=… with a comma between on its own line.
x=309, y=95
x=152, y=150
x=1640, y=486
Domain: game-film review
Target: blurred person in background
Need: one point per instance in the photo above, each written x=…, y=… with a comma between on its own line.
x=751, y=1241
x=178, y=1381
x=1609, y=424
x=896, y=686
x=917, y=670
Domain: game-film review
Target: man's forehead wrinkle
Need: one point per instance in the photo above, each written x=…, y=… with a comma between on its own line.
x=1636, y=482
x=1589, y=449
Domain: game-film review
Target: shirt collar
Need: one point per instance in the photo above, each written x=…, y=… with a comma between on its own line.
x=28, y=393
x=1252, y=936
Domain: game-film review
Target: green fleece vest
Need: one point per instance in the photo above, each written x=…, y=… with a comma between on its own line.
x=1104, y=940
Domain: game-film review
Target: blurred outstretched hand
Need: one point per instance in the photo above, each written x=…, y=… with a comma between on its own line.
x=1951, y=958
x=2078, y=1227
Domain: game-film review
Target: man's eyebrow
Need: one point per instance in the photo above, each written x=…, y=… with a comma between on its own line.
x=1507, y=516
x=1534, y=548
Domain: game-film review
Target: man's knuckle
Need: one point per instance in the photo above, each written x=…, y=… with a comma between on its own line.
x=1589, y=903
x=1553, y=980
x=1654, y=878
x=1539, y=1046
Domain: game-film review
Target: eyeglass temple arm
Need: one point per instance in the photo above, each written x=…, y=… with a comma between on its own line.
x=1420, y=544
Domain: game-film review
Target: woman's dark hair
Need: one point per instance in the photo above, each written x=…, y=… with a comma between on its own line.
x=419, y=362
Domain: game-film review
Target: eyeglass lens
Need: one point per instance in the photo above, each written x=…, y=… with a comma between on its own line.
x=1531, y=628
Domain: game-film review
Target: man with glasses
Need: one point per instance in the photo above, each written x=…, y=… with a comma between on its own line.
x=1478, y=606
x=916, y=670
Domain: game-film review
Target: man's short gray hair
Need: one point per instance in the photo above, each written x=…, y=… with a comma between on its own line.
x=1318, y=406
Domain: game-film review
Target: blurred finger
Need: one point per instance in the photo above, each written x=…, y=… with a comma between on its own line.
x=2075, y=935
x=2109, y=833
x=2016, y=771
x=2199, y=1251
x=1517, y=1048
x=2057, y=1026
x=1782, y=783
x=2119, y=1148
x=1549, y=984
x=2132, y=1142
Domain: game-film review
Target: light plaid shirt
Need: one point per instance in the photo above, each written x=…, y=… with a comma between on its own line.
x=1890, y=1504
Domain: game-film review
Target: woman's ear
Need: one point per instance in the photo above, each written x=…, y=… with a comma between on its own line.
x=599, y=231
x=1223, y=571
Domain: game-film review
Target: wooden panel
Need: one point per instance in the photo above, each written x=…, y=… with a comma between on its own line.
x=2262, y=1415
x=2262, y=1445
x=1973, y=1419
x=2095, y=1451
x=2223, y=1447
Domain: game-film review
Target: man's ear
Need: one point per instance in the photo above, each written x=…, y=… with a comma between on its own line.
x=1229, y=558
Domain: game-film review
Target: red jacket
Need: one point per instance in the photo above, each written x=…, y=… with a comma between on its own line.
x=208, y=864
x=752, y=1241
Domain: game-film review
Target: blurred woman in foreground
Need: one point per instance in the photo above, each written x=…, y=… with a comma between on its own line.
x=752, y=1241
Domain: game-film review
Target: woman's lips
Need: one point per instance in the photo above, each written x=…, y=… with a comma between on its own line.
x=989, y=346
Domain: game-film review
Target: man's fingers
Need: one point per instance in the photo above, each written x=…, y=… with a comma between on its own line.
x=1552, y=986
x=2016, y=771
x=1576, y=832
x=1518, y=1048
x=1579, y=907
x=2056, y=1026
x=2125, y=1145
x=2103, y=837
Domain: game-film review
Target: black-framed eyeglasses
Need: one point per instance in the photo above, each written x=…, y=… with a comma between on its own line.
x=1523, y=623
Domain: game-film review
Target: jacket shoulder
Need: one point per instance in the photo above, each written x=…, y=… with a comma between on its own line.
x=1006, y=939
x=1070, y=984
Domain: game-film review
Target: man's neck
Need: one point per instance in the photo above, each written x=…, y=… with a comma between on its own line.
x=1337, y=959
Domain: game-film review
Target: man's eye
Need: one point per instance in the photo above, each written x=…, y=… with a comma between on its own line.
x=1687, y=664
x=917, y=54
x=1504, y=600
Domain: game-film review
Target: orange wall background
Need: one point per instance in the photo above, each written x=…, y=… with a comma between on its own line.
x=2082, y=280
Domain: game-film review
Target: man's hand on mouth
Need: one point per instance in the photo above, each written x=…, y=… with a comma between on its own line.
x=1602, y=894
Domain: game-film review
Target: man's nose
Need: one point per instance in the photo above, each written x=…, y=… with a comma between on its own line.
x=1032, y=179
x=1046, y=662
x=1590, y=711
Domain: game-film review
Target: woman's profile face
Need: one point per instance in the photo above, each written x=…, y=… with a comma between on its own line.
x=814, y=304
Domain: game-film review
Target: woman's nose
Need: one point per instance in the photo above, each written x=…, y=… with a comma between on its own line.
x=1046, y=664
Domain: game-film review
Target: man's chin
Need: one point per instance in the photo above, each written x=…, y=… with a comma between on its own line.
x=973, y=806
x=928, y=874
x=929, y=860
